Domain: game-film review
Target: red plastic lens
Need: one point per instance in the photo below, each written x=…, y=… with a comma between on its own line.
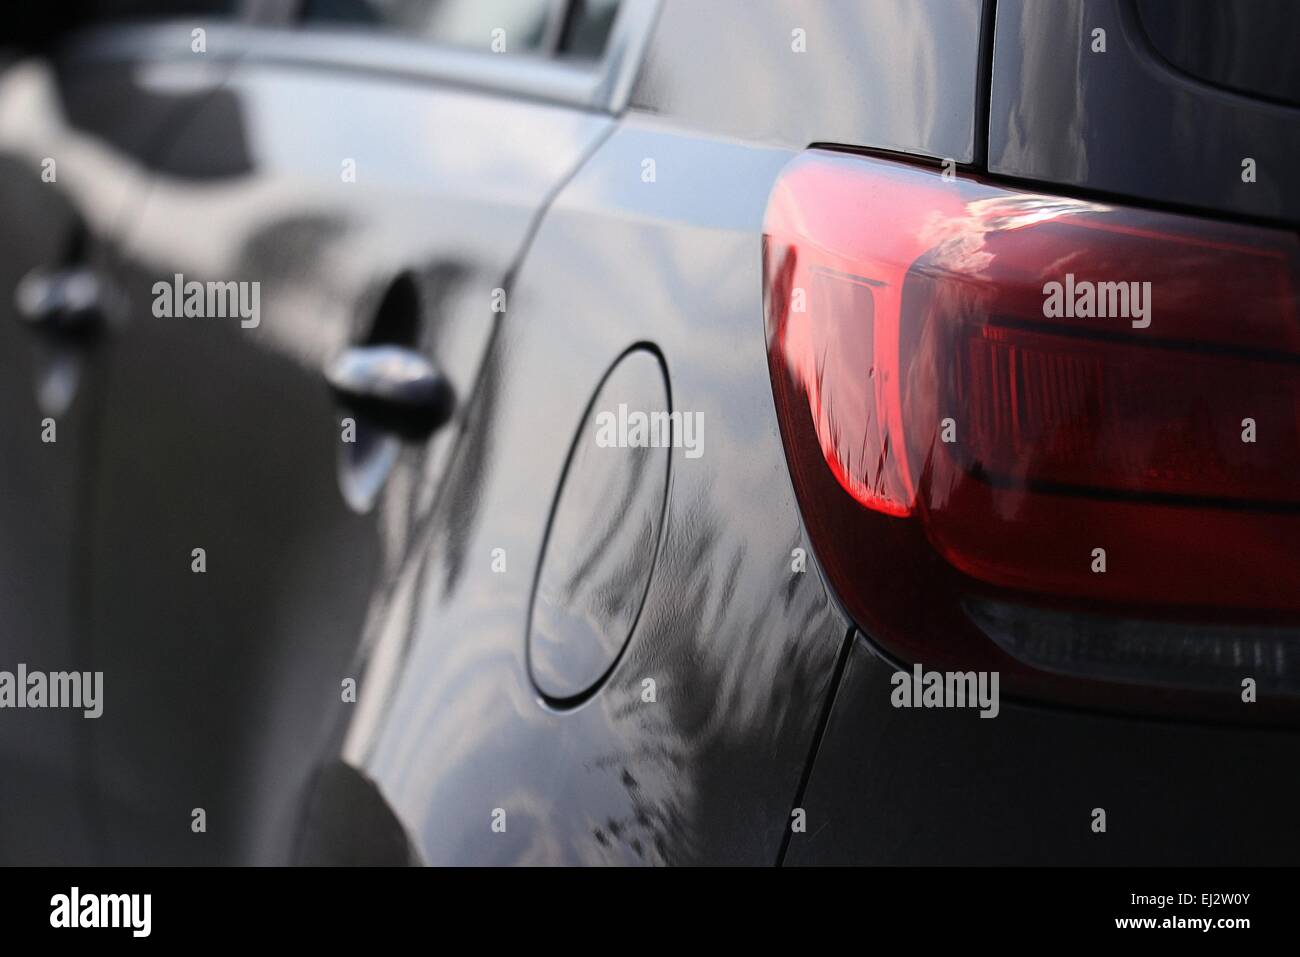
x=1007, y=381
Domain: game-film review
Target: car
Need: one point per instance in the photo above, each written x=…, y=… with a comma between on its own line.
x=617, y=432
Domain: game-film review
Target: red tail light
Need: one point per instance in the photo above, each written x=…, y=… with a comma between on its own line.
x=989, y=394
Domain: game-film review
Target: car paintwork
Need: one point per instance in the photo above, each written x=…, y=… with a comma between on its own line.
x=448, y=185
x=946, y=787
x=899, y=75
x=603, y=533
x=1124, y=121
x=1233, y=44
x=88, y=120
x=739, y=644
x=224, y=688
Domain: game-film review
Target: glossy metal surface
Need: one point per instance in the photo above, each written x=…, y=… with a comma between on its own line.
x=61, y=302
x=61, y=211
x=43, y=813
x=942, y=786
x=1126, y=122
x=393, y=385
x=602, y=540
x=225, y=685
x=739, y=644
x=1241, y=45
x=891, y=74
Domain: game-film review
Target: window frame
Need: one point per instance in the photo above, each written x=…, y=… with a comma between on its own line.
x=266, y=32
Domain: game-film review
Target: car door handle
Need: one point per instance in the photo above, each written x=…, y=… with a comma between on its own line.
x=395, y=387
x=66, y=302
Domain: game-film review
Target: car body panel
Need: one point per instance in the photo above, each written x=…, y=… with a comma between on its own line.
x=224, y=437
x=900, y=75
x=1124, y=121
x=739, y=643
x=75, y=138
x=945, y=786
x=546, y=234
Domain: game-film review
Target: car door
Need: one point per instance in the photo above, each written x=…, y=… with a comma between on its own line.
x=355, y=196
x=76, y=134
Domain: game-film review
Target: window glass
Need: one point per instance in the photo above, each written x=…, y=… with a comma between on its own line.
x=587, y=29
x=498, y=26
x=101, y=10
x=108, y=11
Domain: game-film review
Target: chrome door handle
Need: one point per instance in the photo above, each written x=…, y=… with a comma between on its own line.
x=66, y=302
x=395, y=387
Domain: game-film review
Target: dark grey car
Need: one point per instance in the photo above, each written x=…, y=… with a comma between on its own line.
x=651, y=431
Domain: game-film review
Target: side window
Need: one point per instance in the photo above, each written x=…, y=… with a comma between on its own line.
x=500, y=26
x=99, y=11
x=586, y=29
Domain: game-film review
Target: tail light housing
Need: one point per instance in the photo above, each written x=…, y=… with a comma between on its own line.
x=1041, y=435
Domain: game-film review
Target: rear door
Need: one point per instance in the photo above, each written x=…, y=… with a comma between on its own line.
x=76, y=137
x=367, y=177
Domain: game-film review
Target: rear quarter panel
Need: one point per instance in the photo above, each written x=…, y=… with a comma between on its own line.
x=741, y=645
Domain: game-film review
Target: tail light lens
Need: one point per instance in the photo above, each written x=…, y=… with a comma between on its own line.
x=995, y=395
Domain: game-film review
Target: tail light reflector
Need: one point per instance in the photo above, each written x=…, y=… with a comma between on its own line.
x=991, y=392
